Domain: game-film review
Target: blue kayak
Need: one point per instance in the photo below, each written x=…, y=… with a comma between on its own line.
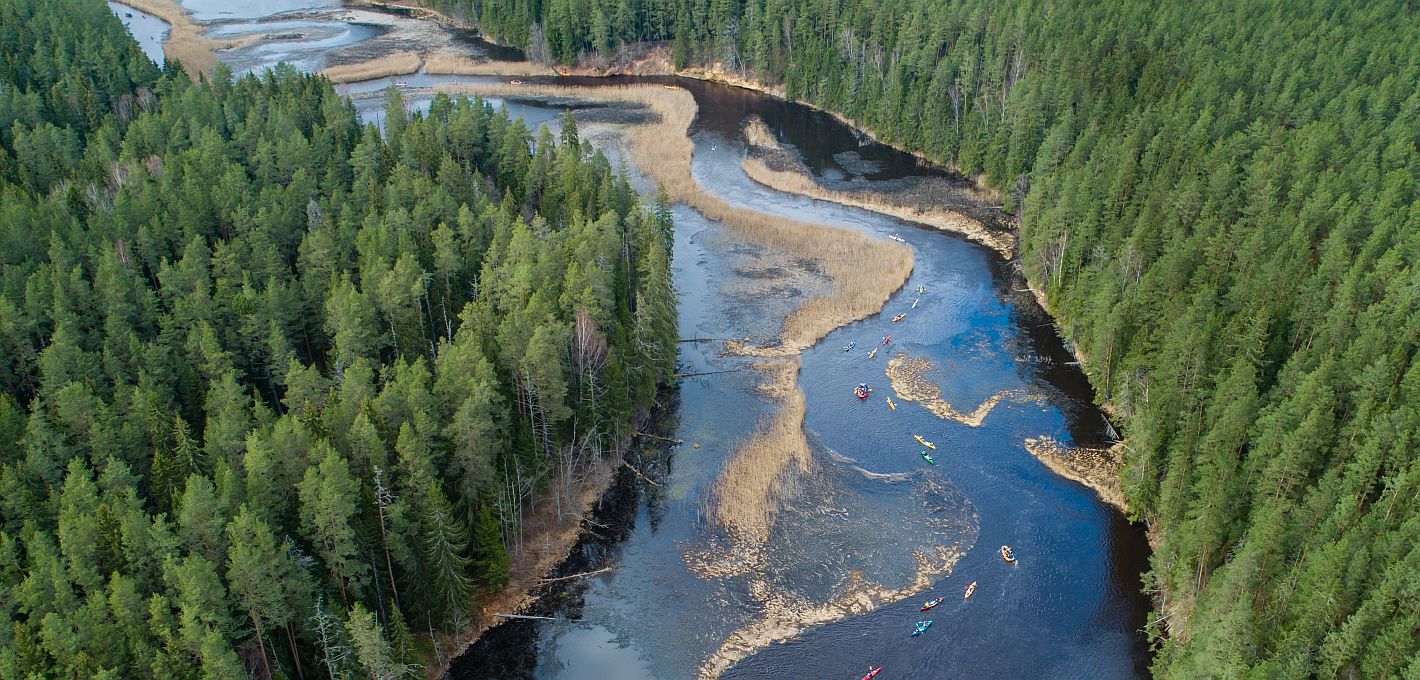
x=922, y=627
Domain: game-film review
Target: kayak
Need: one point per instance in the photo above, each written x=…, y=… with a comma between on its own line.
x=1007, y=555
x=970, y=588
x=921, y=290
x=849, y=347
x=924, y=442
x=914, y=303
x=891, y=405
x=862, y=392
x=897, y=238
x=873, y=353
x=886, y=339
x=930, y=460
x=922, y=627
x=899, y=317
x=872, y=672
x=932, y=603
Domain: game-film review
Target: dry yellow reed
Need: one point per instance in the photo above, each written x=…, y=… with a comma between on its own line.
x=749, y=492
x=185, y=44
x=443, y=63
x=941, y=218
x=397, y=64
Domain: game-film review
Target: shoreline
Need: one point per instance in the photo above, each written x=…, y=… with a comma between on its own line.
x=185, y=43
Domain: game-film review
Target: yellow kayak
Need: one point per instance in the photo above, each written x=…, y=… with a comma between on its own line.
x=891, y=405
x=924, y=442
x=873, y=353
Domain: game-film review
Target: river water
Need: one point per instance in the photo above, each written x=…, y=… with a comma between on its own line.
x=867, y=531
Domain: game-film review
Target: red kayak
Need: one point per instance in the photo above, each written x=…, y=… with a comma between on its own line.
x=872, y=672
x=932, y=603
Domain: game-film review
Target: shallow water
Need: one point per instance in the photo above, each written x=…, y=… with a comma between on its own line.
x=148, y=30
x=849, y=529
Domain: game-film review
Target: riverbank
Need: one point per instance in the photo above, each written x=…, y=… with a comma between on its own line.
x=185, y=43
x=863, y=271
x=923, y=200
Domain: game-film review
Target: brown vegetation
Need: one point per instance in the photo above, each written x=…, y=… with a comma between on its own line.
x=785, y=618
x=185, y=44
x=754, y=482
x=864, y=272
x=798, y=181
x=908, y=378
x=443, y=63
x=1095, y=468
x=397, y=64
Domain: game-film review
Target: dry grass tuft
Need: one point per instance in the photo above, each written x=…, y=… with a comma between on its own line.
x=458, y=65
x=397, y=64
x=750, y=491
x=908, y=378
x=864, y=272
x=1095, y=468
x=185, y=44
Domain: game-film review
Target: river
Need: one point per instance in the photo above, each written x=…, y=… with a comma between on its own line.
x=835, y=587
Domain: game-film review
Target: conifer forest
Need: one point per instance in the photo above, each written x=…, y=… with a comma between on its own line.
x=281, y=389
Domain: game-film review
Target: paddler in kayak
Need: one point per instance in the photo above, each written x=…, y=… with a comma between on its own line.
x=970, y=588
x=899, y=317
x=930, y=460
x=886, y=339
x=849, y=347
x=1007, y=555
x=922, y=627
x=873, y=353
x=872, y=672
x=891, y=405
x=862, y=390
x=924, y=442
x=932, y=603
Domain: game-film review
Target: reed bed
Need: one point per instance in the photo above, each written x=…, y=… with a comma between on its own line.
x=446, y=64
x=185, y=44
x=750, y=490
x=1095, y=468
x=397, y=64
x=908, y=378
x=785, y=618
x=940, y=218
x=864, y=271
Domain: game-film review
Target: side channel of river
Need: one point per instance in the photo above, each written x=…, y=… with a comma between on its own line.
x=868, y=520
